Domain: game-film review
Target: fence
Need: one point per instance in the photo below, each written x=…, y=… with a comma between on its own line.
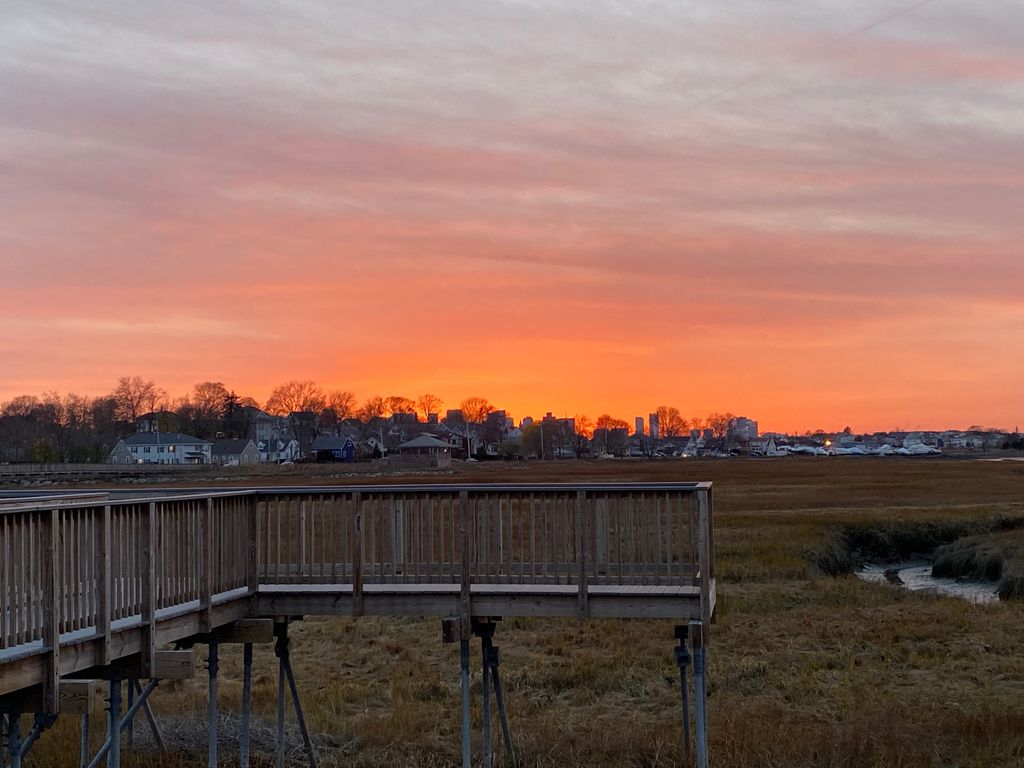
x=84, y=566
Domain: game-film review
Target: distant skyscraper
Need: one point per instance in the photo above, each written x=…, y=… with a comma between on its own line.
x=742, y=428
x=652, y=421
x=640, y=426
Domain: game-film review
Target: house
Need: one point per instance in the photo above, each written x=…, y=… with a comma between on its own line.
x=330, y=448
x=161, y=448
x=235, y=452
x=275, y=450
x=437, y=452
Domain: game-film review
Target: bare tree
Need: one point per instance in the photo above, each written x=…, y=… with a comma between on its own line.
x=584, y=429
x=342, y=403
x=475, y=409
x=670, y=421
x=718, y=423
x=372, y=409
x=429, y=404
x=397, y=404
x=135, y=396
x=296, y=397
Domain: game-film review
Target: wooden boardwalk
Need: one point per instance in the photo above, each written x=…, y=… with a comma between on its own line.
x=86, y=582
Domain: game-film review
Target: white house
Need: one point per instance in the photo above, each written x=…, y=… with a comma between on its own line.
x=161, y=448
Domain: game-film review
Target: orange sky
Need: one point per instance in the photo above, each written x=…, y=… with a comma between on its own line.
x=532, y=202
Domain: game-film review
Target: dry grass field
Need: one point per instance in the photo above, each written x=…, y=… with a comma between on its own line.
x=806, y=669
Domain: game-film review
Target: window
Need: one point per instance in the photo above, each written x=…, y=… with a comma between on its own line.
x=160, y=449
x=170, y=449
x=146, y=449
x=134, y=449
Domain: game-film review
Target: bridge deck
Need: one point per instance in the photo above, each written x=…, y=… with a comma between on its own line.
x=84, y=583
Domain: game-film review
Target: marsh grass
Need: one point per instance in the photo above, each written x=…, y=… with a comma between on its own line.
x=806, y=669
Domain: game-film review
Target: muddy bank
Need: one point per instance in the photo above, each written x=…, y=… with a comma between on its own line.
x=976, y=550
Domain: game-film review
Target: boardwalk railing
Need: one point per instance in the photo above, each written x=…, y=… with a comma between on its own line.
x=82, y=571
x=626, y=535
x=95, y=469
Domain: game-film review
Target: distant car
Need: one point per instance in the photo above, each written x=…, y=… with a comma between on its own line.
x=286, y=463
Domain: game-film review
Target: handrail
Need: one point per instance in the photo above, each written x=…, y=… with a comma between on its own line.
x=85, y=565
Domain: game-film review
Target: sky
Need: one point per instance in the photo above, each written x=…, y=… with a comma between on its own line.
x=809, y=212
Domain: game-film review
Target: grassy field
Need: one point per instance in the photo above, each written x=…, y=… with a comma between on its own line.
x=806, y=669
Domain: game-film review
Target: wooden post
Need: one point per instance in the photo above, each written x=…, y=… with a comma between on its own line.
x=704, y=557
x=51, y=616
x=357, y=554
x=206, y=566
x=252, y=567
x=149, y=592
x=464, y=595
x=105, y=606
x=581, y=557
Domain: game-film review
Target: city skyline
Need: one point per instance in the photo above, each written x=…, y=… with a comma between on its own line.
x=806, y=213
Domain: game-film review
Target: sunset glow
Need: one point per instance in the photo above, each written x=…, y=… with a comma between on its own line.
x=562, y=206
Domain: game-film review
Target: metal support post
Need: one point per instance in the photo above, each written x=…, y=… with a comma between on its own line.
x=114, y=725
x=285, y=674
x=307, y=742
x=143, y=700
x=485, y=645
x=211, y=725
x=83, y=760
x=14, y=738
x=683, y=661
x=493, y=659
x=280, y=692
x=467, y=758
x=130, y=740
x=108, y=745
x=700, y=691
x=246, y=697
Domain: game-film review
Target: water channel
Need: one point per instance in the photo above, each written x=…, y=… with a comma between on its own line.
x=917, y=574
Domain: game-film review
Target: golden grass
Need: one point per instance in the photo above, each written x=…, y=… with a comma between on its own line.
x=805, y=669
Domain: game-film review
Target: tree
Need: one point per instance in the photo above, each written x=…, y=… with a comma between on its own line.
x=342, y=403
x=475, y=409
x=295, y=397
x=670, y=421
x=718, y=423
x=397, y=404
x=135, y=397
x=208, y=398
x=605, y=429
x=584, y=429
x=531, y=440
x=371, y=410
x=429, y=404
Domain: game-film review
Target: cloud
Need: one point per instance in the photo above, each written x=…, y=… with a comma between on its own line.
x=512, y=194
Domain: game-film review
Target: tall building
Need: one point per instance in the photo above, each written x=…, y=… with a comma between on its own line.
x=742, y=428
x=652, y=422
x=639, y=426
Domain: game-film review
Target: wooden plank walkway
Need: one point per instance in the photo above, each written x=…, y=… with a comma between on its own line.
x=85, y=582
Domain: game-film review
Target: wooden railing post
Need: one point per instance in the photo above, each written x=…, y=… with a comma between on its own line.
x=149, y=591
x=581, y=557
x=357, y=555
x=464, y=593
x=253, y=565
x=51, y=603
x=704, y=555
x=105, y=605
x=206, y=566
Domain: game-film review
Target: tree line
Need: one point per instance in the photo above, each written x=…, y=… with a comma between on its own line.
x=75, y=428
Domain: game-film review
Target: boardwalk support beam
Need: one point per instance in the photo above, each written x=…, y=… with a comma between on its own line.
x=683, y=661
x=213, y=667
x=246, y=697
x=285, y=672
x=700, y=694
x=114, y=742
